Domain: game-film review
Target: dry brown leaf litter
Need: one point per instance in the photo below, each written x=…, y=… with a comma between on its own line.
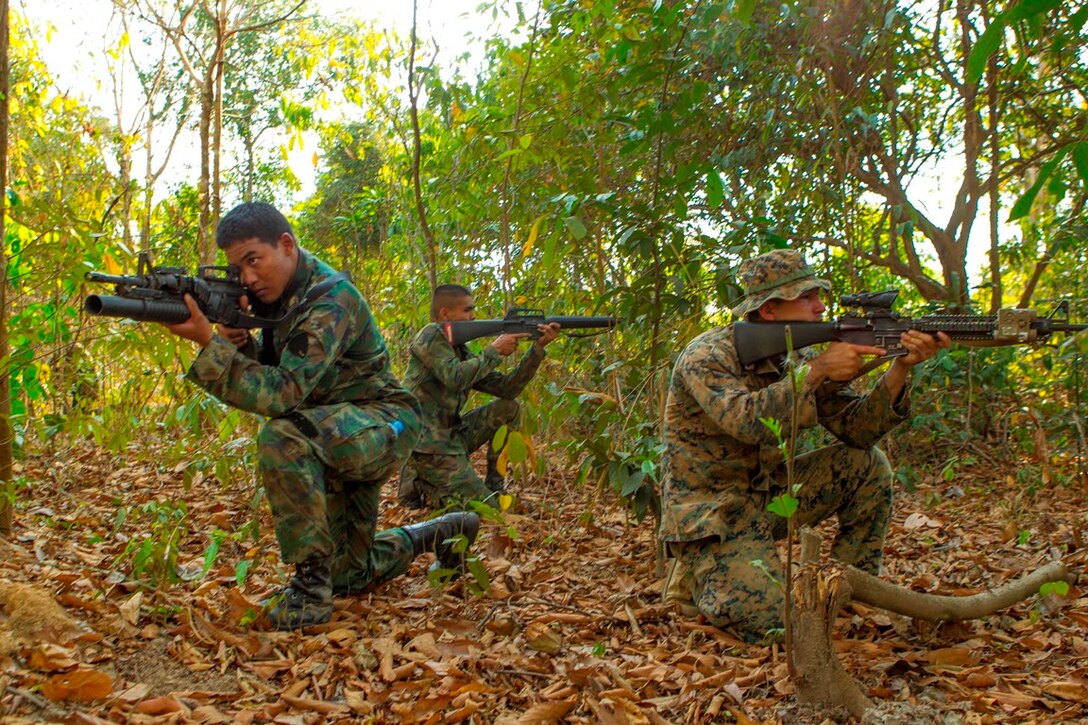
x=572, y=630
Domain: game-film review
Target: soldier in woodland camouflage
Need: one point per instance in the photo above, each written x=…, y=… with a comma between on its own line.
x=441, y=376
x=339, y=423
x=723, y=465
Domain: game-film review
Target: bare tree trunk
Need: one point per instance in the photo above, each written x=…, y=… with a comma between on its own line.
x=6, y=438
x=203, y=243
x=219, y=69
x=506, y=200
x=421, y=213
x=149, y=185
x=996, y=291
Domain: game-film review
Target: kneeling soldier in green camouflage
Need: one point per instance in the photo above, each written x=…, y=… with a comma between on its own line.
x=723, y=465
x=441, y=376
x=339, y=423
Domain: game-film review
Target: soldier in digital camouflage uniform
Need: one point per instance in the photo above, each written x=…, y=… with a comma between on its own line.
x=441, y=376
x=723, y=466
x=339, y=423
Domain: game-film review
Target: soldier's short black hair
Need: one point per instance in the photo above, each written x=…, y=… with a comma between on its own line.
x=252, y=219
x=445, y=295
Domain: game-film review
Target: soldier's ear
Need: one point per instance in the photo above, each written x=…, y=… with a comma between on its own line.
x=768, y=310
x=288, y=243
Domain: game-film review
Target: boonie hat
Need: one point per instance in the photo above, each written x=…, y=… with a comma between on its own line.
x=781, y=274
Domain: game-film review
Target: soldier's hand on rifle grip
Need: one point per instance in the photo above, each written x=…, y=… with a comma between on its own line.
x=237, y=335
x=197, y=328
x=841, y=361
x=547, y=333
x=508, y=342
x=921, y=346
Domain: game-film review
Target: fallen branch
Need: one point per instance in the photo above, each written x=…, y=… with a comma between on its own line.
x=821, y=590
x=872, y=590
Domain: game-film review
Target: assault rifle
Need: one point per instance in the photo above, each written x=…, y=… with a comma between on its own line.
x=520, y=319
x=877, y=325
x=156, y=294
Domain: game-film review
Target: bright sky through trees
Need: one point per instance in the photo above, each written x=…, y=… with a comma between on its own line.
x=74, y=34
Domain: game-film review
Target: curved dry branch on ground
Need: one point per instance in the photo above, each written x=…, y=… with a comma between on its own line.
x=821, y=590
x=871, y=590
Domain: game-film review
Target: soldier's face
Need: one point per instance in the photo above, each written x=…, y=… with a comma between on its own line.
x=806, y=308
x=462, y=310
x=265, y=270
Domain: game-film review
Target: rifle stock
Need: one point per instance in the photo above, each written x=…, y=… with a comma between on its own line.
x=757, y=341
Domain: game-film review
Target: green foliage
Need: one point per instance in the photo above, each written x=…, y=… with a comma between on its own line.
x=153, y=555
x=783, y=505
x=1059, y=588
x=625, y=158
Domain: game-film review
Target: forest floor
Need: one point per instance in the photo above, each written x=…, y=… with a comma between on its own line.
x=572, y=630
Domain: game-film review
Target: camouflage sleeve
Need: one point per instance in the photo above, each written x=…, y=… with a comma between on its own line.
x=314, y=343
x=860, y=421
x=719, y=386
x=509, y=386
x=438, y=356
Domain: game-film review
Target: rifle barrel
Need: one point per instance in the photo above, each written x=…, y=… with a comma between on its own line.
x=574, y=322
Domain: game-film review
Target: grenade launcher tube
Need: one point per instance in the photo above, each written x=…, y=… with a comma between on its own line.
x=143, y=310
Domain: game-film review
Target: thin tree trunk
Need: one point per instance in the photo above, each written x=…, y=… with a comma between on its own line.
x=506, y=201
x=219, y=64
x=6, y=439
x=996, y=291
x=204, y=185
x=421, y=213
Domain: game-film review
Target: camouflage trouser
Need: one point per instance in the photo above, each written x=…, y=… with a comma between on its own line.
x=323, y=469
x=445, y=479
x=730, y=591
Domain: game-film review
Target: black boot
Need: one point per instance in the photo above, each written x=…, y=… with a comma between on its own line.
x=307, y=599
x=434, y=536
x=495, y=481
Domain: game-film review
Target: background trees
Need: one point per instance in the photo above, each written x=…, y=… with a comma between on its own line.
x=617, y=156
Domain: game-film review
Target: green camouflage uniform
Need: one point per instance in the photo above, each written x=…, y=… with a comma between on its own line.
x=323, y=379
x=441, y=376
x=723, y=467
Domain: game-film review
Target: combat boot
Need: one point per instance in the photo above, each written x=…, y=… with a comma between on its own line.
x=307, y=598
x=495, y=481
x=434, y=536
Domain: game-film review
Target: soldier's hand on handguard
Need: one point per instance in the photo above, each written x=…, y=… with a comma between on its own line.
x=547, y=333
x=197, y=328
x=237, y=335
x=508, y=342
x=921, y=346
x=841, y=361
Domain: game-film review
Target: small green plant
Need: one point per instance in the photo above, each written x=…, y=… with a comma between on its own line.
x=907, y=477
x=154, y=556
x=1058, y=588
x=599, y=650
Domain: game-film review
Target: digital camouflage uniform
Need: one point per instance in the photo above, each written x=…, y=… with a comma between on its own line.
x=441, y=376
x=323, y=380
x=723, y=467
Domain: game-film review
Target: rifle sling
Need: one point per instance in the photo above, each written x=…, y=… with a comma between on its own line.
x=833, y=385
x=268, y=354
